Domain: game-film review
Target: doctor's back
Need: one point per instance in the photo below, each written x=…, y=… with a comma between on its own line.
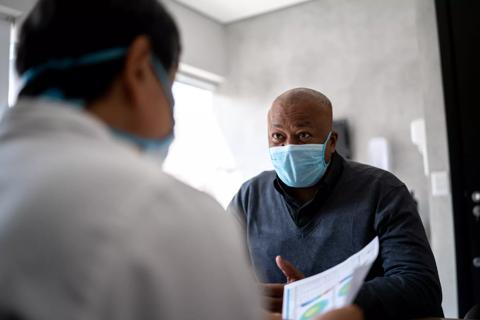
x=90, y=227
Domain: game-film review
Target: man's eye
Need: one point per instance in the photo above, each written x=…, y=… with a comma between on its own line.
x=277, y=136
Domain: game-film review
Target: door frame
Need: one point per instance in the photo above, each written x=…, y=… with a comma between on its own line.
x=453, y=105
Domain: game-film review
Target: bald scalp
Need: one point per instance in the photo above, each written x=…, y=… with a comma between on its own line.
x=299, y=98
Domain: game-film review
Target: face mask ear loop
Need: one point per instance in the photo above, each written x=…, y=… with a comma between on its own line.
x=162, y=76
x=325, y=148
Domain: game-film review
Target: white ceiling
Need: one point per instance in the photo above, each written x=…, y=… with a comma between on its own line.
x=227, y=11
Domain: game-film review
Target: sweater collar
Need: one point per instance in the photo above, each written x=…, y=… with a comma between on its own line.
x=302, y=213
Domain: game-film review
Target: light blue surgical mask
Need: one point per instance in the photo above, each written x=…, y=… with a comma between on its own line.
x=157, y=148
x=154, y=149
x=300, y=165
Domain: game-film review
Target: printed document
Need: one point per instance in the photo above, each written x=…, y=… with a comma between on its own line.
x=334, y=288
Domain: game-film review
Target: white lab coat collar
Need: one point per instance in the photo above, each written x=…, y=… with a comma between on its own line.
x=41, y=114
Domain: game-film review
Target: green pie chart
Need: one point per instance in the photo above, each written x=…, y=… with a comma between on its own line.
x=345, y=289
x=315, y=310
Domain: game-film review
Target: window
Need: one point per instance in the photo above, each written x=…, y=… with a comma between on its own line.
x=13, y=77
x=200, y=155
x=5, y=60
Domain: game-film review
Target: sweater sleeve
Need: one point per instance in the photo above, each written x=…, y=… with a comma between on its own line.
x=410, y=287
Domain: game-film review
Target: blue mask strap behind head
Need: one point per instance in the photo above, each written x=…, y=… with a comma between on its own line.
x=69, y=63
x=91, y=59
x=98, y=58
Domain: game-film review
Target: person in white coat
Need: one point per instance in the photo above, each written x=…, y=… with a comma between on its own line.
x=90, y=227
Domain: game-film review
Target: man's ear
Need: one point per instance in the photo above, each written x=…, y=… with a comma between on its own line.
x=137, y=69
x=333, y=142
x=330, y=146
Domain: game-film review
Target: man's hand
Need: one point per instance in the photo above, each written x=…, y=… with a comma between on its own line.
x=291, y=273
x=273, y=292
x=273, y=296
x=346, y=313
x=351, y=312
x=273, y=316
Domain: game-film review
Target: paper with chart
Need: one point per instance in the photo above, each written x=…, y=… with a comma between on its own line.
x=331, y=289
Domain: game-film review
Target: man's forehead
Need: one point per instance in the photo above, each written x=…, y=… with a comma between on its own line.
x=299, y=118
x=301, y=107
x=306, y=110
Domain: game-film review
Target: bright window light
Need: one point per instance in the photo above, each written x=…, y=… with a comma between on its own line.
x=13, y=78
x=200, y=156
x=5, y=61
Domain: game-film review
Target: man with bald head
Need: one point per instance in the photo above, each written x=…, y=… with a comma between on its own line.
x=316, y=209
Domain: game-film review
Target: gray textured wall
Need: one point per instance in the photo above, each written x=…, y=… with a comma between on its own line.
x=364, y=55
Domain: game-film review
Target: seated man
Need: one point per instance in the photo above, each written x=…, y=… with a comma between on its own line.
x=317, y=209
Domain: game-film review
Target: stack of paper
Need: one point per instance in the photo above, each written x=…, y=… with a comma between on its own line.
x=331, y=289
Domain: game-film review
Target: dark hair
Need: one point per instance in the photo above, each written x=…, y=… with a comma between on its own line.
x=59, y=29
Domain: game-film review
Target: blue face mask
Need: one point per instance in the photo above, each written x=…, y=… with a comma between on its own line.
x=157, y=147
x=300, y=165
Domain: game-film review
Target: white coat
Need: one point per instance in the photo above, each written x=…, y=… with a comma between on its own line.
x=90, y=229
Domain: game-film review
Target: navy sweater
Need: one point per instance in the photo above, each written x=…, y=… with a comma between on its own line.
x=354, y=203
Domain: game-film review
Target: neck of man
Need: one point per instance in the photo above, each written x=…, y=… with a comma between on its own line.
x=303, y=195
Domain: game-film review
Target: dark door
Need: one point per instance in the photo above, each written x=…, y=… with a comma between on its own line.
x=459, y=33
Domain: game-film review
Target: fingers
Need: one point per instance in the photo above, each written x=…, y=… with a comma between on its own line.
x=291, y=273
x=273, y=316
x=273, y=296
x=272, y=289
x=273, y=304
